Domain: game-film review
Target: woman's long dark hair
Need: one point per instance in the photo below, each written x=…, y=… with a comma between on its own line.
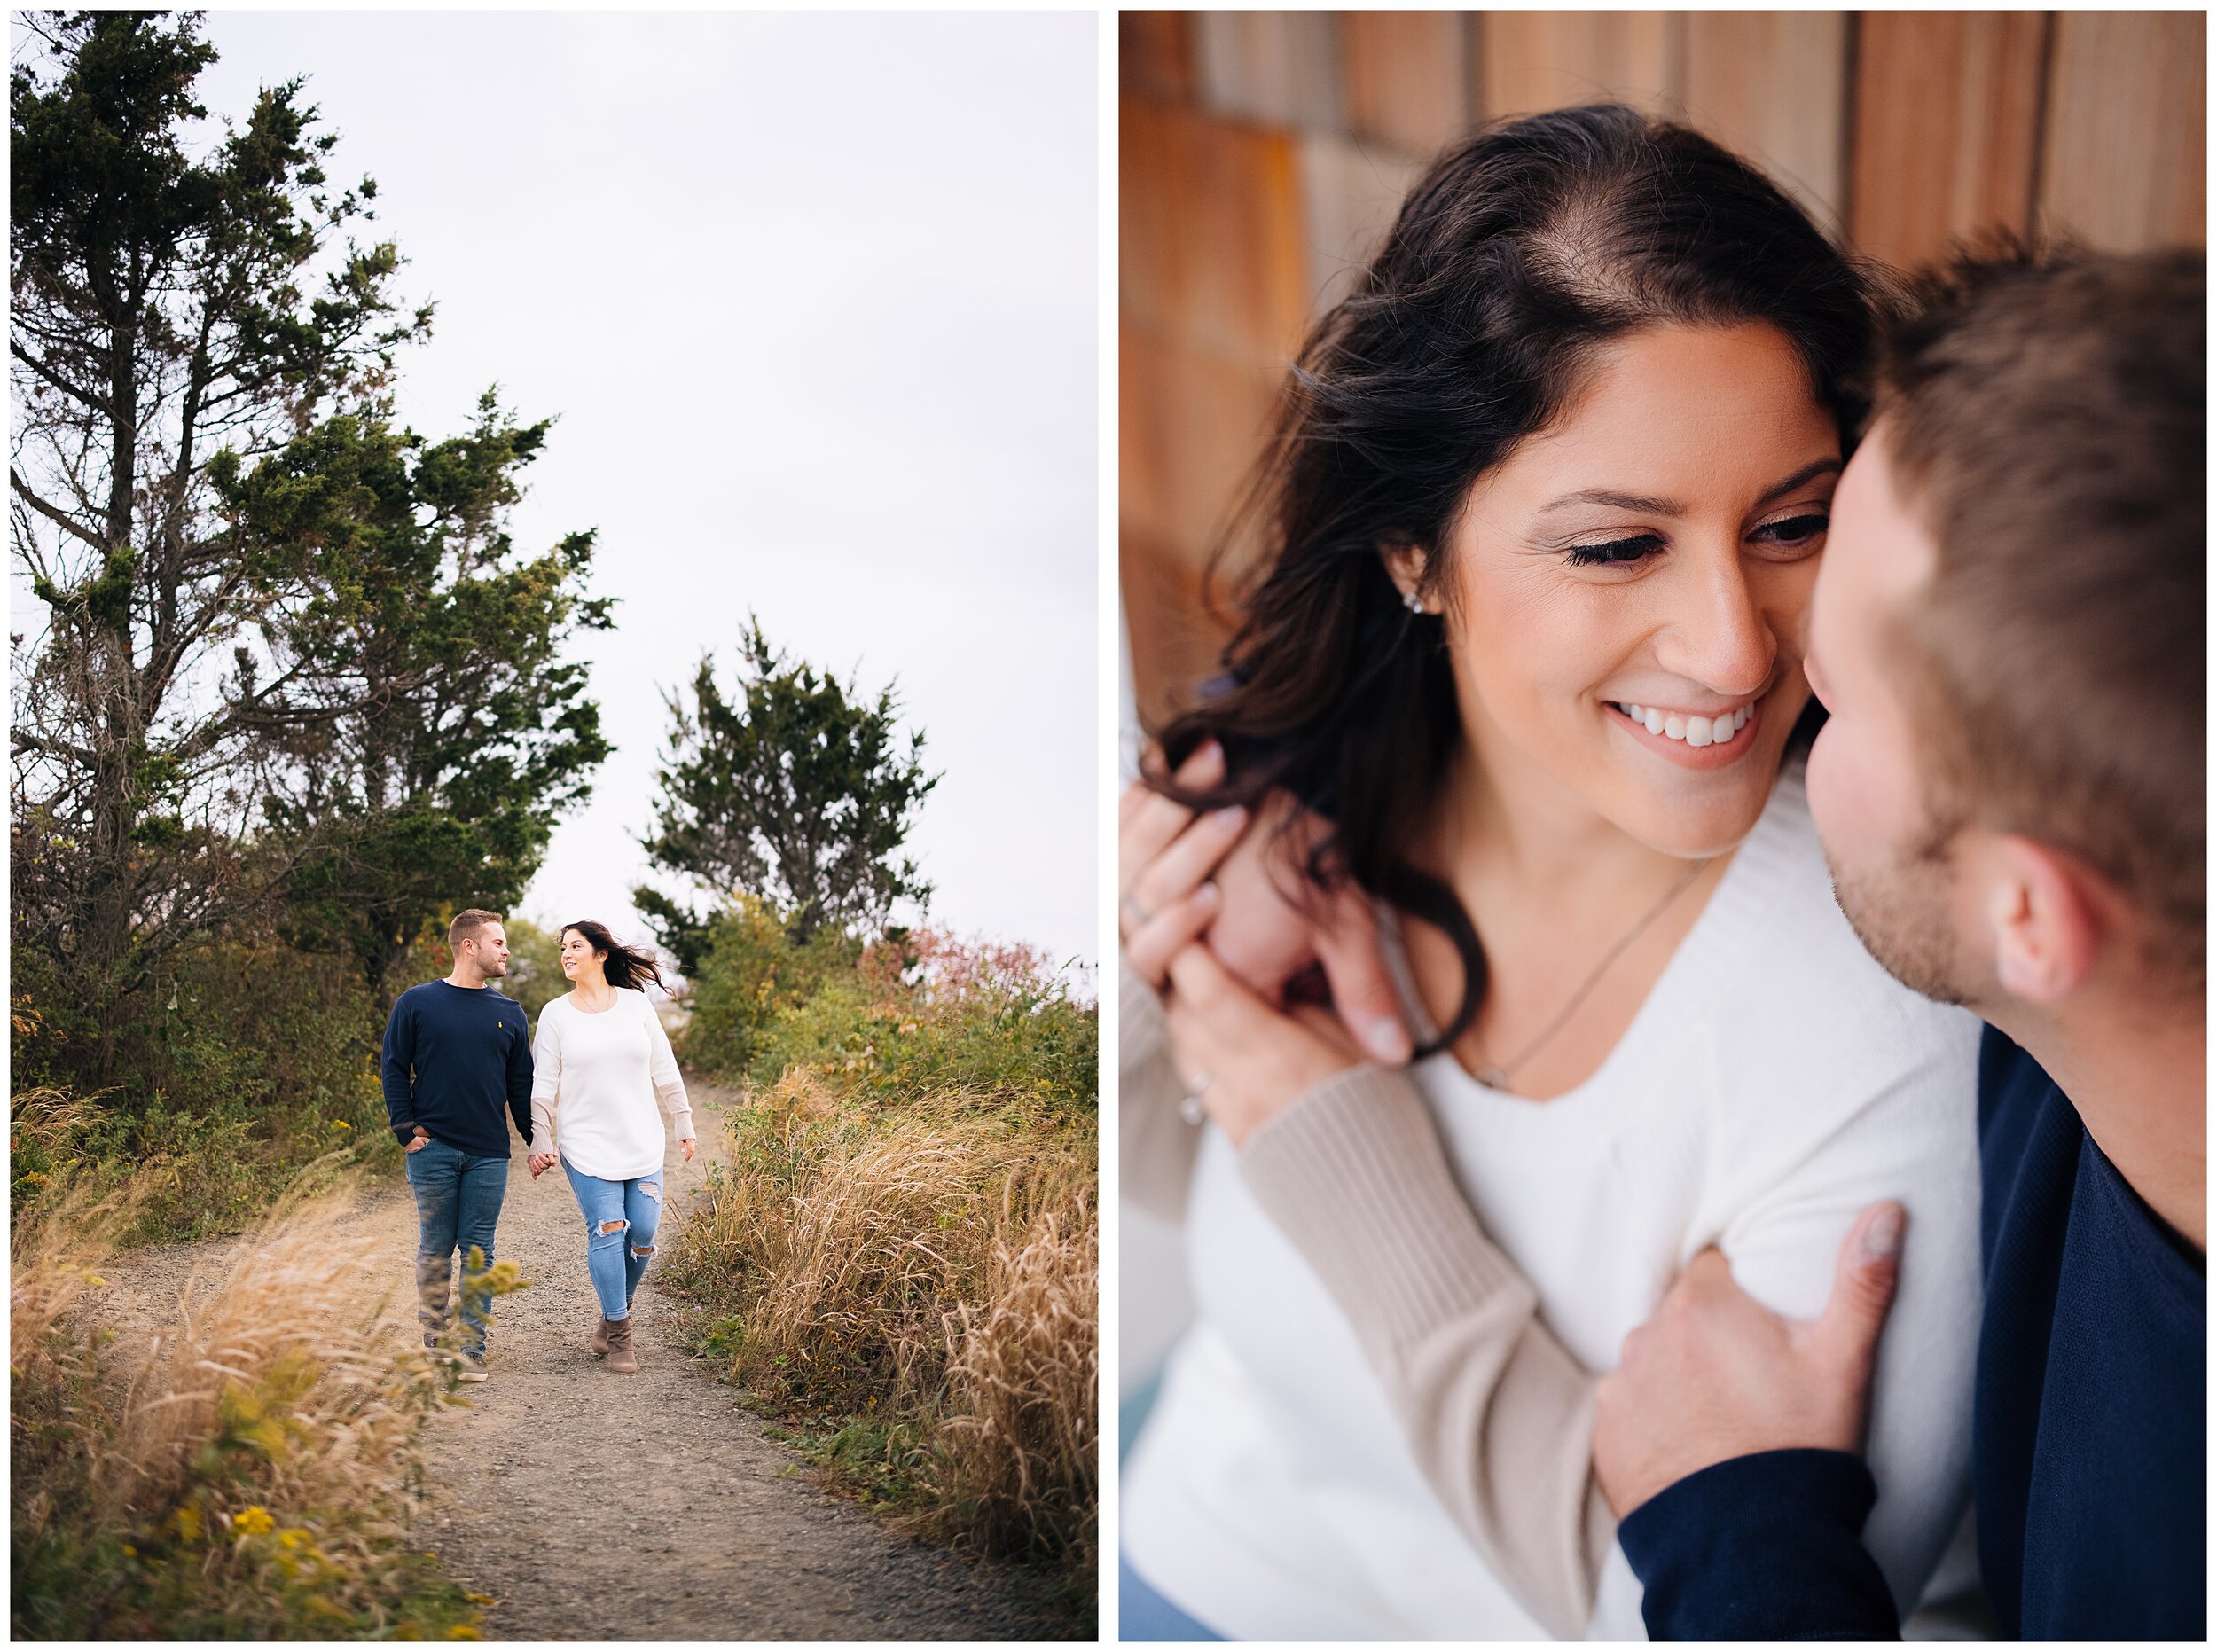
x=1524, y=248
x=626, y=967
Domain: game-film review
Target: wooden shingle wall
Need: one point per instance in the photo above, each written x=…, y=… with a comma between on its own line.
x=1263, y=154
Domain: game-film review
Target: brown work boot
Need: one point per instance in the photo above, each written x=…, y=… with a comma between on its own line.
x=600, y=1337
x=620, y=1355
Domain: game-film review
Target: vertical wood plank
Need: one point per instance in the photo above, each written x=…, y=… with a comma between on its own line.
x=1176, y=638
x=1528, y=61
x=1280, y=67
x=1155, y=55
x=1190, y=422
x=2124, y=158
x=1946, y=127
x=1404, y=73
x=1212, y=243
x=1351, y=191
x=1773, y=85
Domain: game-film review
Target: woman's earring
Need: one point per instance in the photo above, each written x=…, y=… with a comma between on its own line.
x=1414, y=603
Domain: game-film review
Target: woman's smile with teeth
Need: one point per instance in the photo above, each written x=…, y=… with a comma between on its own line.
x=1694, y=731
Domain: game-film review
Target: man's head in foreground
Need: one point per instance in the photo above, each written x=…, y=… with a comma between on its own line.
x=2009, y=632
x=480, y=946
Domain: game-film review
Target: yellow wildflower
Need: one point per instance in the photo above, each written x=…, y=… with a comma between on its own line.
x=293, y=1537
x=340, y=1124
x=187, y=1521
x=464, y=1631
x=129, y=1550
x=252, y=1521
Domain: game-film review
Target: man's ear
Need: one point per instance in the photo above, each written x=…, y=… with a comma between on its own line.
x=1406, y=566
x=2048, y=914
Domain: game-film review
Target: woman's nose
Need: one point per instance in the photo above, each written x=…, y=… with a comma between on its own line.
x=1718, y=634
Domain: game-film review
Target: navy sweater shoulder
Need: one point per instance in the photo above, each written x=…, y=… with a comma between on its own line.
x=2089, y=1441
x=453, y=1057
x=2088, y=1429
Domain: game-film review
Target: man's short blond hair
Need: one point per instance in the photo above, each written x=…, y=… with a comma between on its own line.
x=466, y=924
x=2048, y=418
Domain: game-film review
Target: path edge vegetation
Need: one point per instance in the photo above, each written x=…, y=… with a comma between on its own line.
x=253, y=1468
x=896, y=1255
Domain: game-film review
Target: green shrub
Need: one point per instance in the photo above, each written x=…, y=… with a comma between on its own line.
x=750, y=974
x=249, y=1062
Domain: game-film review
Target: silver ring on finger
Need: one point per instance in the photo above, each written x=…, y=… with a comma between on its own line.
x=1191, y=1109
x=1134, y=914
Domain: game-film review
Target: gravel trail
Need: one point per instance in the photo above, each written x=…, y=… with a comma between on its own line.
x=594, y=1506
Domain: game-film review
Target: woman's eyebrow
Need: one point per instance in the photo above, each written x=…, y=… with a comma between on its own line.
x=1656, y=506
x=1807, y=473
x=1618, y=501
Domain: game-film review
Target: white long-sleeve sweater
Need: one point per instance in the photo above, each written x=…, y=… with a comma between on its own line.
x=1379, y=1431
x=595, y=1082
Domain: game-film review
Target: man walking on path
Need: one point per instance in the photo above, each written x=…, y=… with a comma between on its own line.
x=455, y=1053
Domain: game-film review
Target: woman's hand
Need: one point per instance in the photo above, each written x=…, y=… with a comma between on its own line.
x=541, y=1161
x=686, y=1147
x=1246, y=1062
x=1263, y=933
x=1165, y=854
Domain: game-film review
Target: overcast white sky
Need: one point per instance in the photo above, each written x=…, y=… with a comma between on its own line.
x=813, y=297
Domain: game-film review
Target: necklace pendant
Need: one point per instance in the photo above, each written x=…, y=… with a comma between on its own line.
x=1492, y=1078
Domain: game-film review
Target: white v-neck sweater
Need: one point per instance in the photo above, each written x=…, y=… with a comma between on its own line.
x=1774, y=1082
x=595, y=1080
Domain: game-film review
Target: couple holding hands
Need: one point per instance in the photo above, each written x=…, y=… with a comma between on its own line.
x=1723, y=729
x=456, y=1052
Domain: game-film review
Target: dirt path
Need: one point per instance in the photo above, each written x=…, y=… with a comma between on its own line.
x=593, y=1507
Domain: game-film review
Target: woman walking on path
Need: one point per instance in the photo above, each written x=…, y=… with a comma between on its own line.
x=600, y=1064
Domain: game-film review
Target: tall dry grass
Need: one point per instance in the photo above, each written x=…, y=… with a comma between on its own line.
x=927, y=1280
x=244, y=1464
x=1016, y=1428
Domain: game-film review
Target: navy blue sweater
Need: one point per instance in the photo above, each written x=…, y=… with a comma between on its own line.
x=2089, y=1431
x=452, y=1055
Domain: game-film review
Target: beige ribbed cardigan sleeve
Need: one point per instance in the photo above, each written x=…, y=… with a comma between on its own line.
x=1155, y=1147
x=1499, y=1413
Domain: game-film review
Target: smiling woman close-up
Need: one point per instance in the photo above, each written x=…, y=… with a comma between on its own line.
x=1548, y=494
x=1551, y=1209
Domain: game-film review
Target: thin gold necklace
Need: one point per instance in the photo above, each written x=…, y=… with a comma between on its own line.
x=1497, y=1077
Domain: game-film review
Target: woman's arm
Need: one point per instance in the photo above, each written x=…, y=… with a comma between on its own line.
x=1155, y=1148
x=546, y=1082
x=669, y=1081
x=1343, y=1156
x=1499, y=1414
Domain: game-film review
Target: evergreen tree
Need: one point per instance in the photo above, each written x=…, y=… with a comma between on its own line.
x=799, y=792
x=288, y=661
x=165, y=308
x=463, y=734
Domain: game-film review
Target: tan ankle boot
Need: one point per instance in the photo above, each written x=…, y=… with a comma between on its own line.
x=601, y=1337
x=620, y=1355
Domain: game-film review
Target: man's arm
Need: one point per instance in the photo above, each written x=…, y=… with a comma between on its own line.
x=519, y=1084
x=398, y=1070
x=1767, y=1546
x=1730, y=1432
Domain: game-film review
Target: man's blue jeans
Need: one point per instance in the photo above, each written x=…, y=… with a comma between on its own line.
x=457, y=1205
x=620, y=1222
